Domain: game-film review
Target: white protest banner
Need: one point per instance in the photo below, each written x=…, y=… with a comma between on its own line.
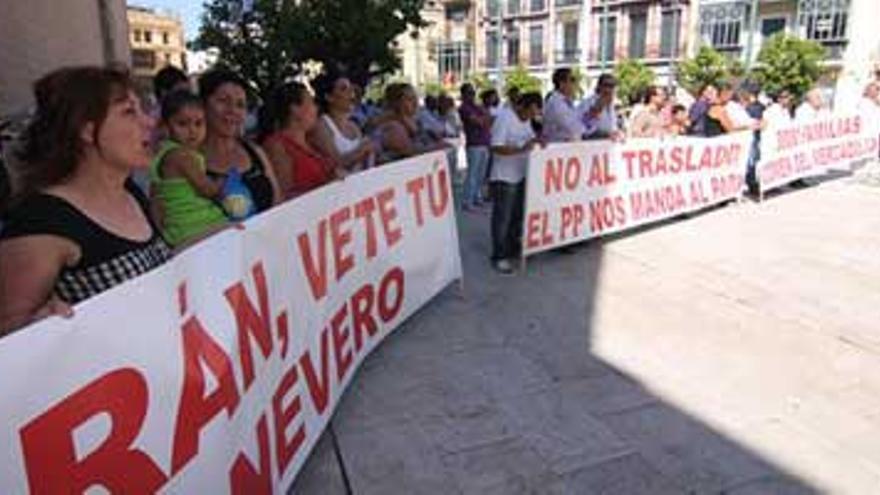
x=802, y=150
x=218, y=372
x=579, y=191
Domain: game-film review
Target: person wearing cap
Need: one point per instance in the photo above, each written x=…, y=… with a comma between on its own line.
x=599, y=115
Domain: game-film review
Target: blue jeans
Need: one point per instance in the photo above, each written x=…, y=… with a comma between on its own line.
x=477, y=160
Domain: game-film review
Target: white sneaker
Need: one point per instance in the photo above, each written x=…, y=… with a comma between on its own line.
x=504, y=266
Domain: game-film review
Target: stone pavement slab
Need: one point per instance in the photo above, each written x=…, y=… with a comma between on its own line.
x=732, y=352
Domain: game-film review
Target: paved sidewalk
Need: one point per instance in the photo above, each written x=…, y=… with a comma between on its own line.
x=734, y=352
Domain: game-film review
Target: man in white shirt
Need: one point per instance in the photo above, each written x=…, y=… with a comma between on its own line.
x=813, y=108
x=778, y=114
x=562, y=122
x=599, y=115
x=512, y=140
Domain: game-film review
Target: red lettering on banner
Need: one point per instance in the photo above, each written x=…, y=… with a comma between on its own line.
x=658, y=202
x=606, y=213
x=645, y=159
x=339, y=330
x=361, y=312
x=283, y=333
x=538, y=232
x=629, y=157
x=706, y=158
x=388, y=214
x=600, y=171
x=341, y=237
x=284, y=416
x=319, y=389
x=415, y=187
x=50, y=454
x=317, y=275
x=364, y=209
x=698, y=196
x=572, y=219
x=438, y=194
x=572, y=173
x=196, y=410
x=249, y=323
x=387, y=311
x=243, y=478
x=553, y=176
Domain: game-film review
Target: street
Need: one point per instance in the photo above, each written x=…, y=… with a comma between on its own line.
x=735, y=351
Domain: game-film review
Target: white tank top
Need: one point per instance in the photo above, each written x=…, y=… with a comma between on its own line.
x=343, y=144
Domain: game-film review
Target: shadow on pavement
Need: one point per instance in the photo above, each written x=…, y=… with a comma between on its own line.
x=496, y=391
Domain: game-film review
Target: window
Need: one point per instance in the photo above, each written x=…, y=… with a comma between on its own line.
x=670, y=27
x=608, y=33
x=513, y=47
x=492, y=49
x=167, y=59
x=537, y=6
x=454, y=60
x=148, y=36
x=771, y=26
x=824, y=20
x=567, y=3
x=638, y=32
x=569, y=52
x=143, y=59
x=513, y=7
x=137, y=35
x=493, y=8
x=164, y=38
x=536, y=45
x=721, y=25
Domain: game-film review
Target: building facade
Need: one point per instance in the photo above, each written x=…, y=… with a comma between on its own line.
x=42, y=35
x=442, y=52
x=593, y=35
x=846, y=28
x=157, y=40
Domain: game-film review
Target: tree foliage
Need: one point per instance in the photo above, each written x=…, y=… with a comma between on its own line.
x=519, y=78
x=708, y=66
x=270, y=43
x=790, y=63
x=633, y=79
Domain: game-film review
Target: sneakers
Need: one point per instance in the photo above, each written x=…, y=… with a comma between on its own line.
x=504, y=267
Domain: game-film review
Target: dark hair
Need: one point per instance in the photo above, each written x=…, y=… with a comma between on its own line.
x=703, y=89
x=488, y=93
x=606, y=80
x=560, y=76
x=467, y=88
x=177, y=100
x=66, y=100
x=395, y=92
x=528, y=99
x=166, y=79
x=678, y=108
x=651, y=92
x=211, y=81
x=275, y=113
x=323, y=85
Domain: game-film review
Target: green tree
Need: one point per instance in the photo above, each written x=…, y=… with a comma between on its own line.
x=581, y=81
x=520, y=79
x=263, y=45
x=481, y=82
x=633, y=78
x=359, y=36
x=790, y=63
x=270, y=43
x=708, y=67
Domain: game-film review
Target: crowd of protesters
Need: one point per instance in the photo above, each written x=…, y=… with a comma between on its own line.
x=106, y=190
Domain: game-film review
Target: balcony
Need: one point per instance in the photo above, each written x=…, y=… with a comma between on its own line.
x=568, y=57
x=567, y=3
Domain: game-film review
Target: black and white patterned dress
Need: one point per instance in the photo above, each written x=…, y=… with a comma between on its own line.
x=107, y=260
